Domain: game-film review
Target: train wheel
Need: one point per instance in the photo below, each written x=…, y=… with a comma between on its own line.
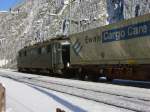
x=81, y=77
x=19, y=70
x=110, y=79
x=93, y=78
x=80, y=74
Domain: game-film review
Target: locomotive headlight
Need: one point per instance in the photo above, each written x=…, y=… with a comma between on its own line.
x=68, y=64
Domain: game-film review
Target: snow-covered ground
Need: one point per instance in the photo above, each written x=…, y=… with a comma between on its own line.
x=26, y=98
x=109, y=97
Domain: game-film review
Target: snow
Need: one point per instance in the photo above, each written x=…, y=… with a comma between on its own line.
x=3, y=62
x=123, y=96
x=21, y=97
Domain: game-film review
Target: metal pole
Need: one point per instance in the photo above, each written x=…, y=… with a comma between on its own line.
x=5, y=53
x=69, y=17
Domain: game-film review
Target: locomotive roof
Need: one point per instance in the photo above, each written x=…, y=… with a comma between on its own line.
x=45, y=42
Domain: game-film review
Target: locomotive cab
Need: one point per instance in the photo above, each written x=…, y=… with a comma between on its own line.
x=66, y=54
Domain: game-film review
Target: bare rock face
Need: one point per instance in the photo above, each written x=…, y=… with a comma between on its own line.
x=133, y=8
x=115, y=10
x=38, y=20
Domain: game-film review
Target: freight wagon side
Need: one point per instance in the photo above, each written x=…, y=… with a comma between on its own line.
x=120, y=50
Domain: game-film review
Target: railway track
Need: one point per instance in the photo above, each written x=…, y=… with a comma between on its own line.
x=120, y=101
x=91, y=89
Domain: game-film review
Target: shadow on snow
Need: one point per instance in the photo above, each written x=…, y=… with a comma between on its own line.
x=72, y=107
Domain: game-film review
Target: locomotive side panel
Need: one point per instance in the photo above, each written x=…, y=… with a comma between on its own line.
x=46, y=57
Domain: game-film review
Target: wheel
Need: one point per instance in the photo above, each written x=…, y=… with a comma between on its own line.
x=80, y=74
x=109, y=79
x=19, y=70
x=81, y=77
x=93, y=78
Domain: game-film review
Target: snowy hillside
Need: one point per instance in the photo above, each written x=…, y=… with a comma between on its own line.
x=37, y=20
